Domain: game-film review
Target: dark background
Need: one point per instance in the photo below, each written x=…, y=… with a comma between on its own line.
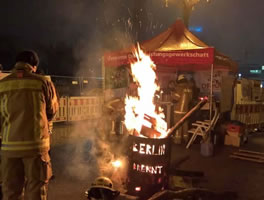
x=71, y=35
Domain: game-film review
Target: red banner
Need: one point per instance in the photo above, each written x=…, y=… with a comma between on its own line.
x=202, y=56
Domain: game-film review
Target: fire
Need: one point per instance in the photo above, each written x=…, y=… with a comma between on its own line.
x=142, y=115
x=117, y=163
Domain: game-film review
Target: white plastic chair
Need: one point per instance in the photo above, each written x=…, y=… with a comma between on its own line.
x=203, y=128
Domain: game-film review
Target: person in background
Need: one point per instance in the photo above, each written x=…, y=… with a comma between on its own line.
x=115, y=109
x=182, y=97
x=168, y=91
x=195, y=90
x=28, y=103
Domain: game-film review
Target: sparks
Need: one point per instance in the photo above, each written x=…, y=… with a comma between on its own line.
x=117, y=163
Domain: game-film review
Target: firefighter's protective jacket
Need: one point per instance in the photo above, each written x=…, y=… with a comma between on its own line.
x=27, y=103
x=183, y=95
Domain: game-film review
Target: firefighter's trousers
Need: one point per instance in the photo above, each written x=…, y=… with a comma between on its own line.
x=181, y=134
x=25, y=178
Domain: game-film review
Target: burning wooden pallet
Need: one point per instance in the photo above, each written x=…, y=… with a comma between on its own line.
x=252, y=156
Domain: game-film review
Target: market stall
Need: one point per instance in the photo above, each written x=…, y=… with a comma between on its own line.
x=173, y=51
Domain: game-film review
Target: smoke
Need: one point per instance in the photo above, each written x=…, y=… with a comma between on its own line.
x=89, y=152
x=89, y=51
x=110, y=30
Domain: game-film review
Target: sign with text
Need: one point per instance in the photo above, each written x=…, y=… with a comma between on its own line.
x=203, y=81
x=149, y=156
x=203, y=56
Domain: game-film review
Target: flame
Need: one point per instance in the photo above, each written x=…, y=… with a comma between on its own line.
x=137, y=108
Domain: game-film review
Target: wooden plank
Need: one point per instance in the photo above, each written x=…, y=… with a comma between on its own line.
x=249, y=155
x=246, y=158
x=253, y=152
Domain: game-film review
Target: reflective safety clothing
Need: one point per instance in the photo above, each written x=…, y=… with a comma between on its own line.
x=27, y=102
x=36, y=169
x=183, y=95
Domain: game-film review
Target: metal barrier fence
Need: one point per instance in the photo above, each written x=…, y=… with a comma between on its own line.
x=248, y=108
x=79, y=108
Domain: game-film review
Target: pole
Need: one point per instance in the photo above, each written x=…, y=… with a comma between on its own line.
x=211, y=98
x=103, y=74
x=139, y=19
x=188, y=114
x=187, y=9
x=211, y=90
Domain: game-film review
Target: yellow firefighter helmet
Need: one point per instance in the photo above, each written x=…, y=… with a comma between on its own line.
x=102, y=188
x=181, y=77
x=103, y=182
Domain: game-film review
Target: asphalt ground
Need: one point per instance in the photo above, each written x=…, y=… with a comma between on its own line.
x=75, y=163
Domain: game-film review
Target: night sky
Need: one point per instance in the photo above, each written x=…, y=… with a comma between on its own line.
x=234, y=27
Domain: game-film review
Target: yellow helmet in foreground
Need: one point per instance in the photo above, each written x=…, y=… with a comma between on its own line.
x=102, y=188
x=103, y=182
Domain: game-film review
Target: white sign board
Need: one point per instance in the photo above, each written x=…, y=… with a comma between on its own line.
x=203, y=81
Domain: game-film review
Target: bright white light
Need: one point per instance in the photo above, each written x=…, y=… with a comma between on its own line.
x=138, y=189
x=239, y=75
x=261, y=85
x=117, y=163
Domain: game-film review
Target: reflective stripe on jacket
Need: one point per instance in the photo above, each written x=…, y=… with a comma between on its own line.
x=183, y=94
x=27, y=102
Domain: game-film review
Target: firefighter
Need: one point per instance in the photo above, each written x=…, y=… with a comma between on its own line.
x=102, y=188
x=28, y=102
x=168, y=91
x=182, y=97
x=1, y=196
x=115, y=108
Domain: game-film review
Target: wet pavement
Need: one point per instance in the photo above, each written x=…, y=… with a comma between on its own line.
x=75, y=163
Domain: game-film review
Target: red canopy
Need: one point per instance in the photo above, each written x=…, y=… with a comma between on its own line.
x=175, y=49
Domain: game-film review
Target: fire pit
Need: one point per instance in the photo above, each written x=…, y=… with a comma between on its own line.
x=149, y=146
x=149, y=161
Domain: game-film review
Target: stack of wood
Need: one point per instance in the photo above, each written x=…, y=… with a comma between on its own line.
x=252, y=156
x=150, y=132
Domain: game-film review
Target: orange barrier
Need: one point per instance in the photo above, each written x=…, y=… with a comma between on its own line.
x=79, y=108
x=83, y=108
x=61, y=115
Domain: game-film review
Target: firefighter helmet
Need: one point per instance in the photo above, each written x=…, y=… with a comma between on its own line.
x=181, y=77
x=103, y=182
x=102, y=188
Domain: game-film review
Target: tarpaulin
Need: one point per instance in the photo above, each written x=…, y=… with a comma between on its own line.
x=172, y=49
x=196, y=56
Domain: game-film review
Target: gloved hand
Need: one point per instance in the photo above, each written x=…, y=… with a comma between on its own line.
x=50, y=127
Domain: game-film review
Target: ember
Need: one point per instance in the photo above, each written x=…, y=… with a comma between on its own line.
x=117, y=163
